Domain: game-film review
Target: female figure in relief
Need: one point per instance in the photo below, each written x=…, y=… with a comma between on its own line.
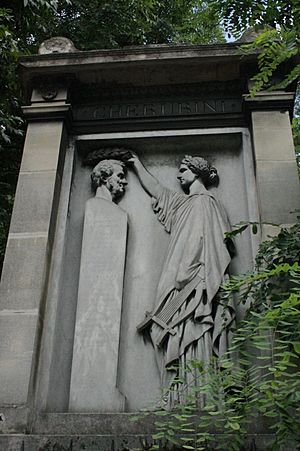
x=189, y=320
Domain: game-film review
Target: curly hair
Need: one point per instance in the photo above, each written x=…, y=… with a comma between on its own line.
x=103, y=170
x=201, y=167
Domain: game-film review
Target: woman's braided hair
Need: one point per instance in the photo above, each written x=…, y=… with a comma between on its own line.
x=201, y=167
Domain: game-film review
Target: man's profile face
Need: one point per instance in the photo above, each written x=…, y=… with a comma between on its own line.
x=116, y=182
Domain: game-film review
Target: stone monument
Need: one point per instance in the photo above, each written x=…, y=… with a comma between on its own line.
x=89, y=253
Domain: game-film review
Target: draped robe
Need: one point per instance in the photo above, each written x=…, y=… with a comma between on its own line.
x=197, y=224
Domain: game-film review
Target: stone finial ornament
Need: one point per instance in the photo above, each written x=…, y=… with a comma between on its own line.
x=249, y=35
x=57, y=44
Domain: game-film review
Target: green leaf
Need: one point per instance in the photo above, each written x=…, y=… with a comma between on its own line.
x=296, y=346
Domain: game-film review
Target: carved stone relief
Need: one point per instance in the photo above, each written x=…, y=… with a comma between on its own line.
x=109, y=175
x=188, y=320
x=100, y=292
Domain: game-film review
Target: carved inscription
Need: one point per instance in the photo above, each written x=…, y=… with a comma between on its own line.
x=159, y=109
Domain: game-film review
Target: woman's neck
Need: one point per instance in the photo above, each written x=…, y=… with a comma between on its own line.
x=197, y=187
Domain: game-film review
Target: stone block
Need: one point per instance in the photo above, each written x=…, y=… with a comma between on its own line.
x=13, y=420
x=42, y=146
x=90, y=443
x=258, y=442
x=279, y=191
x=269, y=231
x=12, y=443
x=93, y=423
x=272, y=136
x=33, y=202
x=22, y=276
x=17, y=333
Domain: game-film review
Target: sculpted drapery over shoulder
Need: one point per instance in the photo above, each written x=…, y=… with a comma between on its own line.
x=188, y=320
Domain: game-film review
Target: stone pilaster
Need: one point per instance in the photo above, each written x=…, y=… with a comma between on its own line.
x=28, y=250
x=276, y=169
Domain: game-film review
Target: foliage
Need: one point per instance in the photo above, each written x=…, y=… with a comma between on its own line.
x=275, y=47
x=9, y=121
x=278, y=41
x=238, y=16
x=94, y=24
x=277, y=44
x=261, y=385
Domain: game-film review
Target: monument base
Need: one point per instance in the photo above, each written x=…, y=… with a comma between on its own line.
x=108, y=432
x=253, y=442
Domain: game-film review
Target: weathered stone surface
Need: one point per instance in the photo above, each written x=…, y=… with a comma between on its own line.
x=273, y=140
x=98, y=317
x=57, y=44
x=90, y=443
x=17, y=333
x=12, y=443
x=93, y=423
x=279, y=190
x=276, y=170
x=41, y=146
x=34, y=197
x=23, y=290
x=27, y=258
x=13, y=419
x=253, y=442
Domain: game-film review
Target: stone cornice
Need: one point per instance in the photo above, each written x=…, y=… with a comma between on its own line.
x=48, y=111
x=74, y=63
x=275, y=100
x=143, y=53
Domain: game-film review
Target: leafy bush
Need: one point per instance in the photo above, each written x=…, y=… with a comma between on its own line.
x=261, y=385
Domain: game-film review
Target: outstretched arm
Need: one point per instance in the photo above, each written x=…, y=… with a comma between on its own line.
x=148, y=181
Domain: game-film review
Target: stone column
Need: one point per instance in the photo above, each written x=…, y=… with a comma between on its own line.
x=29, y=245
x=276, y=169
